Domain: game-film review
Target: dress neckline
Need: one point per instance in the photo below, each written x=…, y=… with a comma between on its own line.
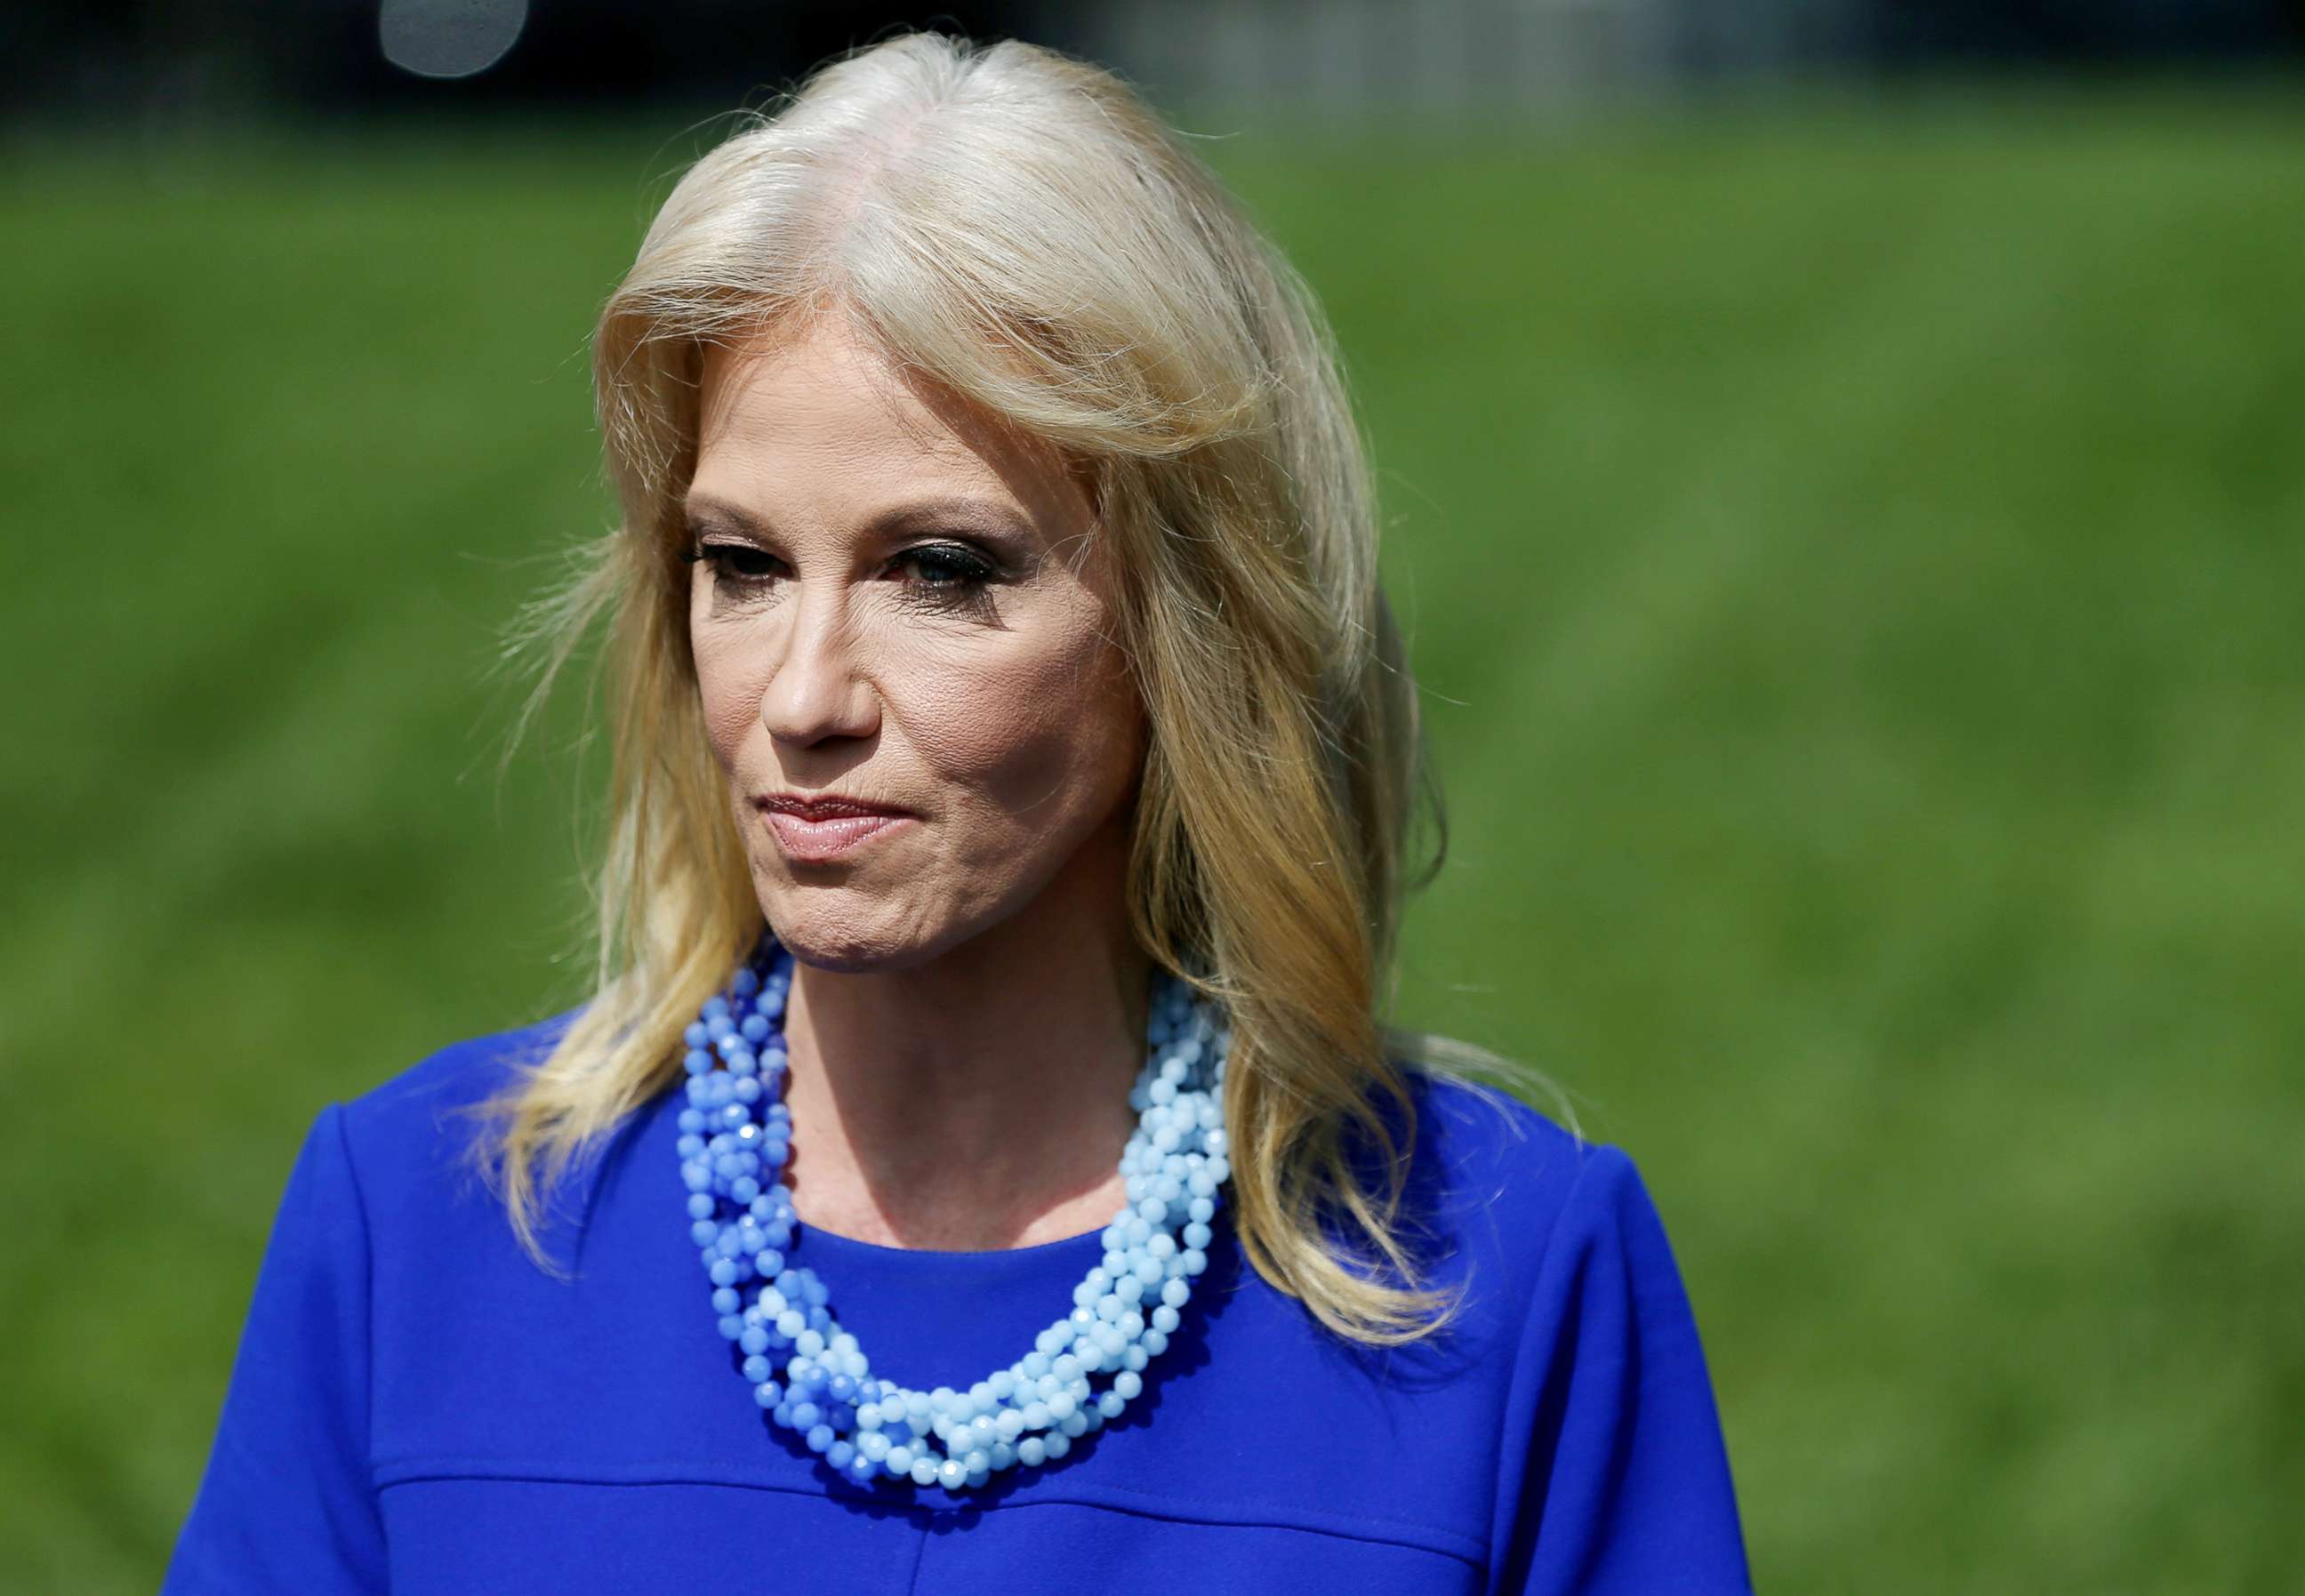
x=833, y=1242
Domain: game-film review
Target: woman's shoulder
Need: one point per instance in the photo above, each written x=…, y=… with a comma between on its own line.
x=417, y=1123
x=1487, y=1144
x=1612, y=1454
x=1482, y=1126
x=1505, y=1184
x=456, y=1073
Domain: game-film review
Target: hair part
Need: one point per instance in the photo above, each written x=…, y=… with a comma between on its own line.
x=1019, y=228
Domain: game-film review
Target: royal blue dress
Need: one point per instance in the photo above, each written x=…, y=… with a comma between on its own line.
x=416, y=1408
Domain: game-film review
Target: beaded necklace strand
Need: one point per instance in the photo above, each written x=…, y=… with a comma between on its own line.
x=1083, y=1370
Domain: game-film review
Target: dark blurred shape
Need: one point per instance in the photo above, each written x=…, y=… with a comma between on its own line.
x=2103, y=30
x=320, y=58
x=171, y=60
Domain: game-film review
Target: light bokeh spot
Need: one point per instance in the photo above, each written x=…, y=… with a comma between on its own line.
x=448, y=38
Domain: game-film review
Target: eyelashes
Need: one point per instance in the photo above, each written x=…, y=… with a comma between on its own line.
x=951, y=575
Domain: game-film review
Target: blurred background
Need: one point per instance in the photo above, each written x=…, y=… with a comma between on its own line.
x=1845, y=467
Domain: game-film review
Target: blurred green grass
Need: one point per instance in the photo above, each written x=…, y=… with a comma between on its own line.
x=1854, y=562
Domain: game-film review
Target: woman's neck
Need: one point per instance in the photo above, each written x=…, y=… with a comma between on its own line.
x=977, y=1101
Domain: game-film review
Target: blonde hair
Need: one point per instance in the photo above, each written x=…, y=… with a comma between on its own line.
x=1021, y=228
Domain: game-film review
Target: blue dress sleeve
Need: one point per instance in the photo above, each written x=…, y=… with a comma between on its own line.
x=286, y=1503
x=1614, y=1474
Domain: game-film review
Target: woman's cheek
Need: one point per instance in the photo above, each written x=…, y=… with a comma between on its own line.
x=725, y=701
x=1030, y=742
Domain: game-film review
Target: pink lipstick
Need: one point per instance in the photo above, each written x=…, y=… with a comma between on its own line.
x=812, y=831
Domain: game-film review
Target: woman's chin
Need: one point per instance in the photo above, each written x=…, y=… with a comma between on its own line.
x=823, y=937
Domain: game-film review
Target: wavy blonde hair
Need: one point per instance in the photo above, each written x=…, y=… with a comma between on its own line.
x=1019, y=228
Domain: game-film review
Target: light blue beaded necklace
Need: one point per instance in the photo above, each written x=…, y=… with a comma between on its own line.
x=1084, y=1369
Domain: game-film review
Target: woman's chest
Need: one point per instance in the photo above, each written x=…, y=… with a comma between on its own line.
x=597, y=1434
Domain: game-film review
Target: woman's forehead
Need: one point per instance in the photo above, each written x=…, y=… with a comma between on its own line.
x=820, y=380
x=823, y=415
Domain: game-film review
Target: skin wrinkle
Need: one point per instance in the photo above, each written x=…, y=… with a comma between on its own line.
x=969, y=1005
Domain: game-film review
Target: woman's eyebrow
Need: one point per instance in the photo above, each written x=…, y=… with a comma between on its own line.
x=700, y=509
x=981, y=514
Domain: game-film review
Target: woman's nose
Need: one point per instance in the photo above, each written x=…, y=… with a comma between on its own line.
x=815, y=689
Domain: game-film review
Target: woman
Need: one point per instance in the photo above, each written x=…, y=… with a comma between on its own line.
x=979, y=1166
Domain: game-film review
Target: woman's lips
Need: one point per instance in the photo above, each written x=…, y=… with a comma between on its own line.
x=810, y=841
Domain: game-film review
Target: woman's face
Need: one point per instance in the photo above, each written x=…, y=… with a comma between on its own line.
x=900, y=603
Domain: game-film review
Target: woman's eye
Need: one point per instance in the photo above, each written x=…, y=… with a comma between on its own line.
x=941, y=572
x=944, y=567
x=736, y=559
